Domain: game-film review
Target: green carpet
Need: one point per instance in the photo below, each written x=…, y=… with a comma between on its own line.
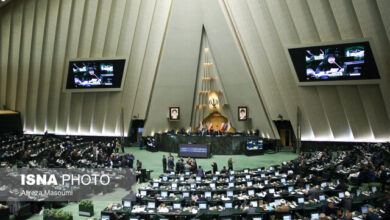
x=153, y=161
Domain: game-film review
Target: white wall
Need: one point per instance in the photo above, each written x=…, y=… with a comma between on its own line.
x=38, y=36
x=162, y=41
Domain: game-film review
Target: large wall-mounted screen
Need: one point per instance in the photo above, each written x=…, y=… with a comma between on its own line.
x=344, y=61
x=95, y=74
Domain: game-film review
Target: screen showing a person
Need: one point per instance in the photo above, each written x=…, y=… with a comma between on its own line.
x=151, y=205
x=271, y=190
x=207, y=194
x=95, y=74
x=202, y=206
x=229, y=193
x=347, y=61
x=249, y=184
x=228, y=205
x=176, y=206
x=186, y=195
x=254, y=144
x=251, y=192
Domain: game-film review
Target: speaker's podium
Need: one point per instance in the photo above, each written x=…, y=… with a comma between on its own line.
x=10, y=122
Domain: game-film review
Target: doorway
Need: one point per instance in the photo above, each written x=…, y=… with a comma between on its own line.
x=286, y=133
x=136, y=129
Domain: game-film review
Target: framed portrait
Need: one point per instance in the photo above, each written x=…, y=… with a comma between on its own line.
x=242, y=113
x=174, y=113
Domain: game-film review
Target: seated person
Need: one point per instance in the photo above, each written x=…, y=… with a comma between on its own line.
x=329, y=209
x=341, y=186
x=282, y=207
x=162, y=208
x=371, y=215
x=114, y=214
x=314, y=193
x=250, y=209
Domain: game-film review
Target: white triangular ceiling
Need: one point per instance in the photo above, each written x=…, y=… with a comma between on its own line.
x=175, y=83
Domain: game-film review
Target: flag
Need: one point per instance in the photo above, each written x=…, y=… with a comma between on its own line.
x=223, y=126
x=211, y=126
x=201, y=126
x=229, y=126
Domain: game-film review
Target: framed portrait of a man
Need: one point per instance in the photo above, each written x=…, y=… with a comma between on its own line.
x=174, y=113
x=242, y=113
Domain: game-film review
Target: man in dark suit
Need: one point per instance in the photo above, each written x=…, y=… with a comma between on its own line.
x=200, y=172
x=164, y=162
x=215, y=167
x=346, y=202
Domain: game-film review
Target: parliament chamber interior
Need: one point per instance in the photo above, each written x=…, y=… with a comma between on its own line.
x=194, y=109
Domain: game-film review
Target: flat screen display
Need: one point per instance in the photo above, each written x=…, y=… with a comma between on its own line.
x=95, y=74
x=126, y=204
x=254, y=204
x=254, y=144
x=193, y=150
x=151, y=205
x=105, y=217
x=164, y=194
x=176, y=206
x=228, y=205
x=202, y=206
x=348, y=61
x=315, y=216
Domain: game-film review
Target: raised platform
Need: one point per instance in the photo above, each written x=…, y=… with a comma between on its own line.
x=10, y=122
x=218, y=145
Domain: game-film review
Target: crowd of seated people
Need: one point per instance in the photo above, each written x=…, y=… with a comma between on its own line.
x=319, y=185
x=17, y=151
x=61, y=152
